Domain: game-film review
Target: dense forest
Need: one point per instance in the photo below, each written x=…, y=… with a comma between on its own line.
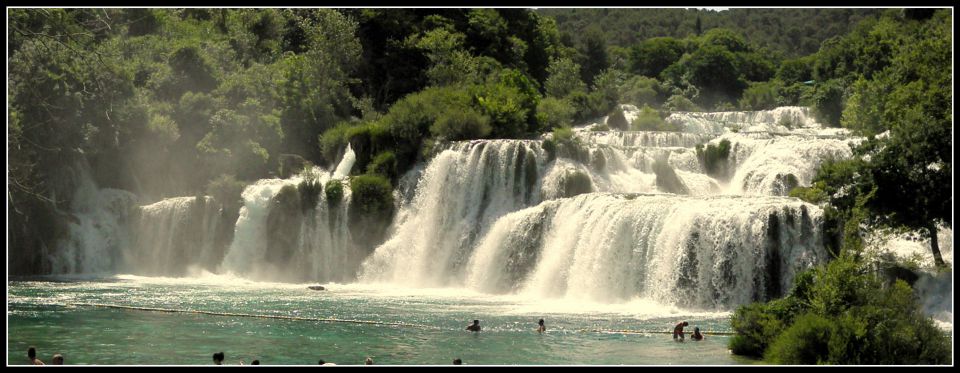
x=182, y=102
x=791, y=33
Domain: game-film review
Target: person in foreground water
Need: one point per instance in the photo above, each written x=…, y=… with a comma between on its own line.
x=542, y=328
x=218, y=358
x=32, y=354
x=475, y=327
x=678, y=330
x=457, y=361
x=57, y=359
x=696, y=336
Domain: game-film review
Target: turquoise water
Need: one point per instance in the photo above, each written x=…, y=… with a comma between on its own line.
x=417, y=326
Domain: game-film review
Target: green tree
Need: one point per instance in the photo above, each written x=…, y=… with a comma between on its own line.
x=652, y=56
x=594, y=52
x=563, y=78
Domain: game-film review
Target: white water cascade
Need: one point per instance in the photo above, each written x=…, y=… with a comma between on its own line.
x=619, y=215
x=610, y=216
x=96, y=229
x=173, y=235
x=278, y=238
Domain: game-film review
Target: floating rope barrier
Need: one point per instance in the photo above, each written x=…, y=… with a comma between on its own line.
x=280, y=317
x=367, y=322
x=627, y=331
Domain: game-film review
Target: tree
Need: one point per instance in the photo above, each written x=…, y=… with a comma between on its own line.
x=594, y=52
x=652, y=56
x=713, y=70
x=563, y=78
x=904, y=178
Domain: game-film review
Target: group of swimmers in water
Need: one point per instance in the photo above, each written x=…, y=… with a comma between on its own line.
x=678, y=332
x=34, y=360
x=475, y=327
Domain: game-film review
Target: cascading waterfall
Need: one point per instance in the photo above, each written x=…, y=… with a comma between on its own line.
x=463, y=191
x=97, y=228
x=174, y=235
x=704, y=252
x=730, y=240
x=612, y=216
x=772, y=165
x=281, y=236
x=785, y=119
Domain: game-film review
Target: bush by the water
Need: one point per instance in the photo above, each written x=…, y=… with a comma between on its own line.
x=649, y=120
x=384, y=164
x=618, y=120
x=334, y=192
x=841, y=313
x=309, y=189
x=226, y=190
x=713, y=158
x=371, y=194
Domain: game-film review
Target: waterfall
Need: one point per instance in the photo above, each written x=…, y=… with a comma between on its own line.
x=289, y=231
x=618, y=215
x=703, y=252
x=462, y=192
x=96, y=228
x=765, y=163
x=608, y=216
x=173, y=235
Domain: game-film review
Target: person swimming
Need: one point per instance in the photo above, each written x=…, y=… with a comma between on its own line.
x=475, y=327
x=32, y=354
x=696, y=336
x=542, y=328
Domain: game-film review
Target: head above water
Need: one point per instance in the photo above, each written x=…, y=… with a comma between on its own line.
x=369, y=361
x=57, y=359
x=218, y=357
x=696, y=329
x=685, y=323
x=32, y=352
x=541, y=322
x=255, y=362
x=457, y=361
x=476, y=322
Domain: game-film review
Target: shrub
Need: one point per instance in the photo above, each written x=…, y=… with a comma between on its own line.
x=563, y=134
x=371, y=194
x=680, y=103
x=649, y=120
x=554, y=112
x=618, y=120
x=805, y=342
x=309, y=191
x=640, y=90
x=384, y=164
x=550, y=147
x=841, y=313
x=227, y=191
x=713, y=158
x=761, y=96
x=334, y=192
x=371, y=209
x=812, y=194
x=599, y=128
x=457, y=123
x=756, y=328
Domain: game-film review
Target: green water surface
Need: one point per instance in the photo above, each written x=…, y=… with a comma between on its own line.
x=418, y=326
